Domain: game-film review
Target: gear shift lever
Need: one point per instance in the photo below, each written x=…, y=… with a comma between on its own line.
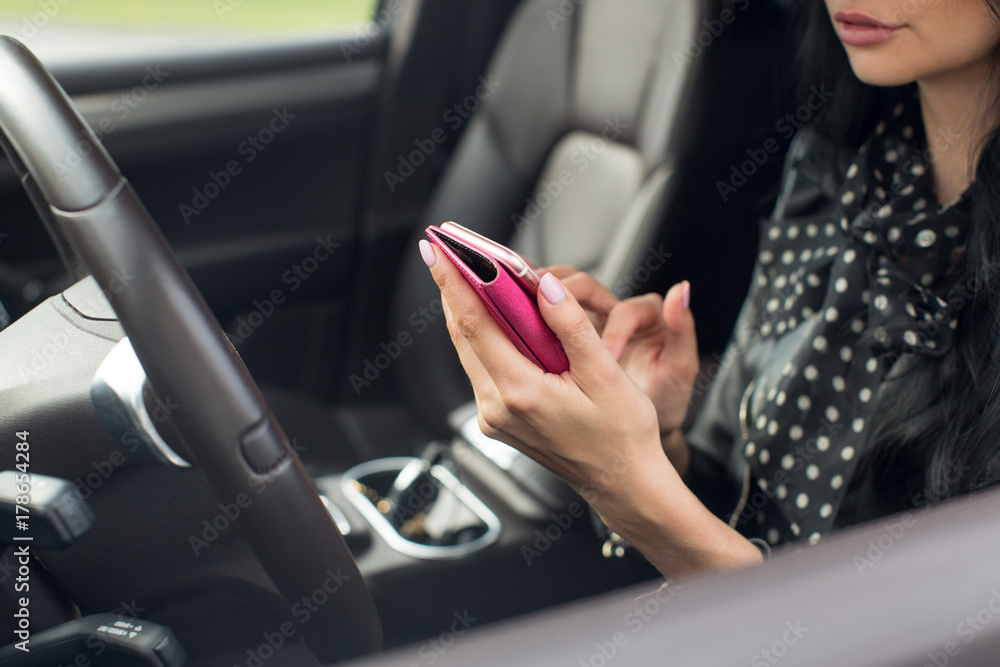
x=414, y=489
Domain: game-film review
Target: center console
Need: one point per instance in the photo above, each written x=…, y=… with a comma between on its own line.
x=471, y=527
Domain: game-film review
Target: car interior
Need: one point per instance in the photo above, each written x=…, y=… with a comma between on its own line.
x=233, y=368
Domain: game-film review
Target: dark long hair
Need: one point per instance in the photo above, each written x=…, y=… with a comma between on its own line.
x=938, y=430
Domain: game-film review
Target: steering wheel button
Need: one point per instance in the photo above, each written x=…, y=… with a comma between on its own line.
x=263, y=446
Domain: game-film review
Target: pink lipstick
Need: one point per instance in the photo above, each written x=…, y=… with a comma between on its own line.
x=860, y=29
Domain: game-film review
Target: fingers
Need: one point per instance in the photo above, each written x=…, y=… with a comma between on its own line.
x=629, y=318
x=589, y=361
x=591, y=294
x=504, y=381
x=478, y=338
x=482, y=384
x=588, y=291
x=495, y=420
x=679, y=320
x=493, y=363
x=561, y=271
x=677, y=307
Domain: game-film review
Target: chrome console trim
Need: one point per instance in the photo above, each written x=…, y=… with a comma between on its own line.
x=338, y=516
x=404, y=546
x=116, y=391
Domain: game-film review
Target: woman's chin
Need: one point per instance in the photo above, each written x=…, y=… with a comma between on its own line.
x=876, y=72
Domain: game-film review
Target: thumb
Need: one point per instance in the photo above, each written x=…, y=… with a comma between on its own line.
x=677, y=316
x=570, y=323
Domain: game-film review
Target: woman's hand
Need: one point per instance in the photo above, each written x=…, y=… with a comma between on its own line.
x=595, y=298
x=592, y=425
x=580, y=424
x=654, y=341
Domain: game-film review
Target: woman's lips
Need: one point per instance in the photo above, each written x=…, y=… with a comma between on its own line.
x=859, y=29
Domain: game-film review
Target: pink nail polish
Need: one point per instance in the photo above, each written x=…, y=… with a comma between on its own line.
x=427, y=253
x=552, y=289
x=687, y=295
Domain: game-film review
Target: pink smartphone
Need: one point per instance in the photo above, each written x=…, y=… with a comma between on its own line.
x=519, y=267
x=508, y=287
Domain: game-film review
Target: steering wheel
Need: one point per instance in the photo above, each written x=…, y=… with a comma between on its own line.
x=100, y=225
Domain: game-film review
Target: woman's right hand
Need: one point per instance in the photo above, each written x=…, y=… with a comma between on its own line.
x=654, y=340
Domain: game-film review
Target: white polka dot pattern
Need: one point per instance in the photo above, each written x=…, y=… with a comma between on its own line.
x=858, y=289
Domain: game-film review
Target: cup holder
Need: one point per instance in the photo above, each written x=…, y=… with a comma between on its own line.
x=441, y=519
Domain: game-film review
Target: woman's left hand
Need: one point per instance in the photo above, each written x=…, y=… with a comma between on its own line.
x=579, y=424
x=592, y=425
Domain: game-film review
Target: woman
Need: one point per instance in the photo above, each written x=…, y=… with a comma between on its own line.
x=860, y=377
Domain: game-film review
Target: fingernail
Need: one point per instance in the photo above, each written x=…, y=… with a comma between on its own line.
x=427, y=252
x=552, y=289
x=687, y=295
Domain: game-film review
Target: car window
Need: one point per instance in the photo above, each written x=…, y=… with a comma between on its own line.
x=68, y=30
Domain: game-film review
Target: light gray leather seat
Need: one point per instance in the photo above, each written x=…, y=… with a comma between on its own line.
x=570, y=160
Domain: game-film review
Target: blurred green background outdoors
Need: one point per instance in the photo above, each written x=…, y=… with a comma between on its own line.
x=276, y=15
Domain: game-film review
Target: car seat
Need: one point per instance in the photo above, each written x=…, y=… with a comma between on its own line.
x=603, y=118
